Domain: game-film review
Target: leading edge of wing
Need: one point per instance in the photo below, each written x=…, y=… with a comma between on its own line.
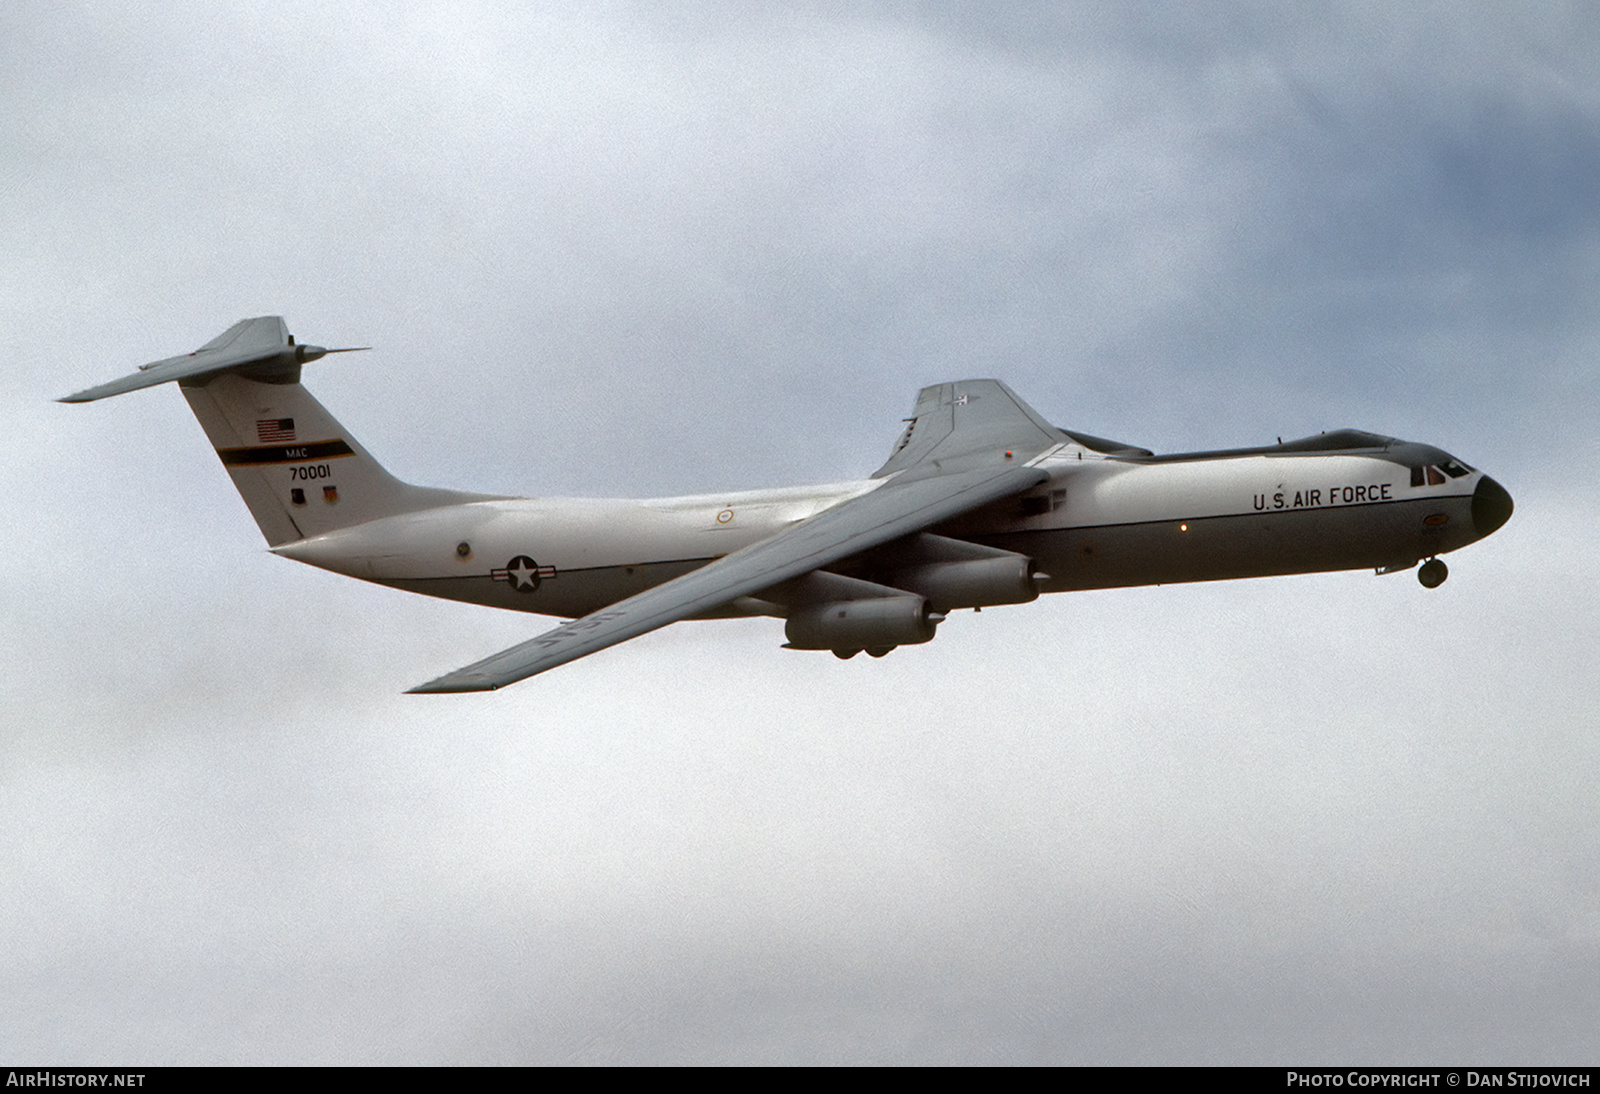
x=898, y=508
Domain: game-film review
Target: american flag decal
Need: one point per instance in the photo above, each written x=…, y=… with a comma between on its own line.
x=274, y=430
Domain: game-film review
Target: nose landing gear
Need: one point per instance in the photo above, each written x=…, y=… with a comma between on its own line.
x=1432, y=573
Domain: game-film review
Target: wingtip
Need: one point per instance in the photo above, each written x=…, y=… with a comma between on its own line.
x=447, y=685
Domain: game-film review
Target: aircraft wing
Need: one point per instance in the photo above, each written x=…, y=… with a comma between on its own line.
x=984, y=436
x=889, y=512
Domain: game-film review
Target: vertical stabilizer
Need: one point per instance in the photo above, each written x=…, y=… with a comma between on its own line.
x=298, y=470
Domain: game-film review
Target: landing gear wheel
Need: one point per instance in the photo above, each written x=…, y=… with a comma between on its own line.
x=879, y=651
x=1433, y=573
x=845, y=655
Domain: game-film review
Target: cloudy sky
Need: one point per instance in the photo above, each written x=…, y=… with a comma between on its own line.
x=616, y=249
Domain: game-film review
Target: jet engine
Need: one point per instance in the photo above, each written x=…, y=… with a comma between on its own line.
x=972, y=583
x=849, y=626
x=900, y=594
x=952, y=573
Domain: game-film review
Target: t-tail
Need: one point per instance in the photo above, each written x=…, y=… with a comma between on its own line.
x=298, y=470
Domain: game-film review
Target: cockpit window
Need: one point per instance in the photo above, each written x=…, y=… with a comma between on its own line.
x=1434, y=478
x=1455, y=468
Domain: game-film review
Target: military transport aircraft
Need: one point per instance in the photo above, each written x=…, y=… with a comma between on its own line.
x=981, y=503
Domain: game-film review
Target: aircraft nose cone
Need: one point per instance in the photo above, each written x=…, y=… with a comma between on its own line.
x=1491, y=506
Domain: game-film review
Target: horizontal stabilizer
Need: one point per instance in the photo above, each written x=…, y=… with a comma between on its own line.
x=263, y=345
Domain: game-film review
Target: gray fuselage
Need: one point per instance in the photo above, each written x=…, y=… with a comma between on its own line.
x=1341, y=501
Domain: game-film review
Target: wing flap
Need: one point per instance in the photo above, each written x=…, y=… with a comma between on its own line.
x=903, y=505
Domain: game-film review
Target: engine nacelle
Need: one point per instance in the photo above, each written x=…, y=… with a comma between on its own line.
x=970, y=583
x=846, y=626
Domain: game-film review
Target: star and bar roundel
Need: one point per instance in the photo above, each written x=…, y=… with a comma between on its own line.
x=523, y=573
